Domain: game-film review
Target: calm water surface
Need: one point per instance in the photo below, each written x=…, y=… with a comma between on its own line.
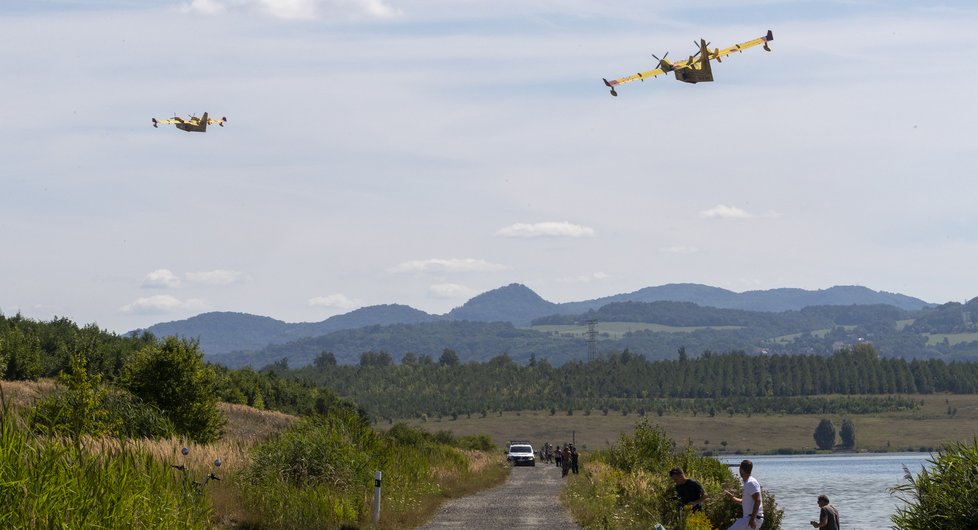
x=856, y=484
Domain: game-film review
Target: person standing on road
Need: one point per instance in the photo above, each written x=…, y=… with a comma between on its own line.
x=688, y=490
x=565, y=462
x=750, y=501
x=828, y=517
x=574, y=457
x=558, y=455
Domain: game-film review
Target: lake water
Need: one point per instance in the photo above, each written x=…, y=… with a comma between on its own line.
x=856, y=484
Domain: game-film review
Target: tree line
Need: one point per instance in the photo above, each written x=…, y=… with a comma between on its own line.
x=852, y=380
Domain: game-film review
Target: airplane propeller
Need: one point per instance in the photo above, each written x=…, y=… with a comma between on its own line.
x=698, y=49
x=663, y=57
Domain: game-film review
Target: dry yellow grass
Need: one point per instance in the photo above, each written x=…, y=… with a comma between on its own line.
x=22, y=394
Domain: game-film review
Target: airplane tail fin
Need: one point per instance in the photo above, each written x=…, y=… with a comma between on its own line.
x=203, y=123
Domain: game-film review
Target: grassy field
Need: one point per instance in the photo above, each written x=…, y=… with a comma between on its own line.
x=934, y=339
x=617, y=330
x=928, y=427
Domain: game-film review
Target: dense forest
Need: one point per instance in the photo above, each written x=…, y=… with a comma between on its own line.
x=625, y=382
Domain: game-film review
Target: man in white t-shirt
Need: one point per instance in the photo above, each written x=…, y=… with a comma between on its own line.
x=753, y=508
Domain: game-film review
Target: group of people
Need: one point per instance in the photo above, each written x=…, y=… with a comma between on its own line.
x=566, y=457
x=691, y=493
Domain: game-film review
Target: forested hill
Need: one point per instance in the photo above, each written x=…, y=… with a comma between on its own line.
x=773, y=300
x=652, y=330
x=690, y=314
x=223, y=332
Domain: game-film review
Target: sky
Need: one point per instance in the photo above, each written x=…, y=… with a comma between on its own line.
x=421, y=152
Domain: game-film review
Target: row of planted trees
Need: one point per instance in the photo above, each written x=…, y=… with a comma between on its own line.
x=852, y=381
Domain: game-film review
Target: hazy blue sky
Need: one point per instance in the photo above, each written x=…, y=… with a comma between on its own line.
x=424, y=151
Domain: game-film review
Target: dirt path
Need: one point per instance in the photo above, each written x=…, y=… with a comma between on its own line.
x=530, y=498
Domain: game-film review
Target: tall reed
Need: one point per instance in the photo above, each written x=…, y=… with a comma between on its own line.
x=51, y=482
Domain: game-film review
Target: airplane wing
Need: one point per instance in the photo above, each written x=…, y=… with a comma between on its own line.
x=635, y=77
x=642, y=75
x=175, y=119
x=221, y=122
x=744, y=45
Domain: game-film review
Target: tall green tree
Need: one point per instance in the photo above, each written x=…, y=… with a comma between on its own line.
x=825, y=434
x=324, y=359
x=372, y=358
x=448, y=357
x=173, y=377
x=22, y=351
x=848, y=434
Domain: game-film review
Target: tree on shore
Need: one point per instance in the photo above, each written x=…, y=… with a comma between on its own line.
x=825, y=434
x=848, y=434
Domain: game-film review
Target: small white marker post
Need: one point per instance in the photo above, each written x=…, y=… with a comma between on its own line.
x=377, y=477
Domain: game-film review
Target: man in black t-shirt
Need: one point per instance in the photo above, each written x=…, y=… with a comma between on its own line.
x=688, y=490
x=828, y=516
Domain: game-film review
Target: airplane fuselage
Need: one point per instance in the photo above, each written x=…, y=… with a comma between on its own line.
x=190, y=127
x=698, y=72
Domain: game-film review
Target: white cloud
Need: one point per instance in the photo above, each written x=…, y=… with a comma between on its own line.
x=218, y=277
x=293, y=9
x=448, y=265
x=586, y=278
x=680, y=249
x=378, y=9
x=451, y=290
x=546, y=229
x=161, y=279
x=159, y=304
x=336, y=300
x=722, y=211
x=207, y=7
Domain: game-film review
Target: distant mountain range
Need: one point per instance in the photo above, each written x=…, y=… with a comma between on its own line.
x=225, y=332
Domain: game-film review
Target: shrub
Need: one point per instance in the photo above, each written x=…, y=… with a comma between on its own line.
x=825, y=434
x=172, y=377
x=945, y=495
x=627, y=486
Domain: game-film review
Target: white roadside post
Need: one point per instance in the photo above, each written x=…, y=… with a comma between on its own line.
x=377, y=477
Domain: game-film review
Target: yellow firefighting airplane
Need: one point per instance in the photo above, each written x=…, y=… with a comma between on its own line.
x=192, y=124
x=697, y=68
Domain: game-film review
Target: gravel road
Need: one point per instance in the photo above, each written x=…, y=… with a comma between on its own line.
x=528, y=499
